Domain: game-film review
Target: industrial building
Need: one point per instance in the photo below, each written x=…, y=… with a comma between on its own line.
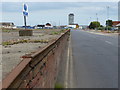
x=71, y=18
x=71, y=23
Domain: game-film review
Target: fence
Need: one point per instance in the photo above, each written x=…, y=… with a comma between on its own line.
x=40, y=69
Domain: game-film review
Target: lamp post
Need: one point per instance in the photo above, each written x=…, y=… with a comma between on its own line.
x=107, y=24
x=90, y=19
x=97, y=17
x=97, y=20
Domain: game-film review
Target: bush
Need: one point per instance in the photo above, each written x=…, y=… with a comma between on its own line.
x=108, y=28
x=57, y=85
x=94, y=24
x=101, y=28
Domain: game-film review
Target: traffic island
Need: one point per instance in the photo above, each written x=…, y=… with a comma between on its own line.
x=25, y=32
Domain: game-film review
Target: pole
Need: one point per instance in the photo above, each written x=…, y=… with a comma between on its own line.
x=107, y=17
x=97, y=17
x=97, y=20
x=90, y=20
x=108, y=12
x=59, y=22
x=25, y=21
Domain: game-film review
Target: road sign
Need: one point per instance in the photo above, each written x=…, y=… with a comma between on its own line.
x=25, y=10
x=25, y=13
x=25, y=7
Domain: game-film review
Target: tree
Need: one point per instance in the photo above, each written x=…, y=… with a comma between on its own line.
x=41, y=26
x=77, y=26
x=48, y=24
x=101, y=26
x=94, y=24
x=109, y=23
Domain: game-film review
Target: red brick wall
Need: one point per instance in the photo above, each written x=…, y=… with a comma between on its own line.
x=39, y=70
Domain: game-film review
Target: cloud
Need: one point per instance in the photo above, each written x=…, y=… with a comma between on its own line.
x=37, y=6
x=45, y=12
x=11, y=7
x=60, y=0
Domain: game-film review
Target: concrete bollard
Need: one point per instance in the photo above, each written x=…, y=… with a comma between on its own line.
x=25, y=32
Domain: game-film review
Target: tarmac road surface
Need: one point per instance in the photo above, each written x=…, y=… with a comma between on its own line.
x=95, y=59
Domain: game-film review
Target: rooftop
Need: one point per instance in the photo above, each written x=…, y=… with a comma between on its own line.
x=115, y=23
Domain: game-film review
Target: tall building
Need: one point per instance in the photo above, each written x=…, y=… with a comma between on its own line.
x=119, y=11
x=71, y=18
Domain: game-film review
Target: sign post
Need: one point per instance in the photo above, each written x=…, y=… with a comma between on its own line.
x=25, y=21
x=25, y=13
x=26, y=32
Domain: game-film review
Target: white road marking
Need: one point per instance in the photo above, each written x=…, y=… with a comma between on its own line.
x=109, y=42
x=98, y=33
x=71, y=66
x=67, y=68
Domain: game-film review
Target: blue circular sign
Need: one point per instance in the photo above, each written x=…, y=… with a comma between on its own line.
x=25, y=7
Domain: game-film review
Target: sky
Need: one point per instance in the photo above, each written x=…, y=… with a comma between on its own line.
x=56, y=13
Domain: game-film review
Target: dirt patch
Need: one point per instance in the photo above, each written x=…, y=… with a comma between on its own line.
x=14, y=46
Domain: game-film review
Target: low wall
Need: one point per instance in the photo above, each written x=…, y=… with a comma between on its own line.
x=40, y=69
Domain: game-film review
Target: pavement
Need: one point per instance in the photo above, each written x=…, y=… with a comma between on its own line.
x=94, y=59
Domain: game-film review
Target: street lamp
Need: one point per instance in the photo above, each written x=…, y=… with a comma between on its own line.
x=97, y=20
x=107, y=23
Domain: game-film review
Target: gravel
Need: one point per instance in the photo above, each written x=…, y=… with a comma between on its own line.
x=11, y=54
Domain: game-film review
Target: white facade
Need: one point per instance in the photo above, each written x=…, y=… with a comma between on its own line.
x=71, y=26
x=80, y=27
x=48, y=27
x=118, y=25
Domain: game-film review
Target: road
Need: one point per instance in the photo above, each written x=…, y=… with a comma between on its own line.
x=95, y=59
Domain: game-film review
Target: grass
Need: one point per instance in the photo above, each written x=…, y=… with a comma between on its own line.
x=54, y=33
x=6, y=43
x=41, y=35
x=9, y=30
x=57, y=32
x=23, y=41
x=58, y=85
x=31, y=41
x=6, y=31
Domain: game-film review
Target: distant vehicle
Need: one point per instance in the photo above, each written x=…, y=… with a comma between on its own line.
x=65, y=27
x=39, y=26
x=14, y=27
x=27, y=27
x=70, y=27
x=35, y=27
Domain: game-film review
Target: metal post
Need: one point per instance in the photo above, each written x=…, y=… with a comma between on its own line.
x=59, y=22
x=97, y=20
x=107, y=17
x=90, y=19
x=97, y=17
x=25, y=21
